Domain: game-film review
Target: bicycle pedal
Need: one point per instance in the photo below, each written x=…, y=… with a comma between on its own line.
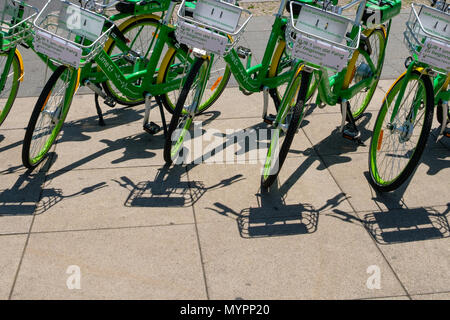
x=350, y=134
x=109, y=101
x=269, y=119
x=243, y=52
x=152, y=128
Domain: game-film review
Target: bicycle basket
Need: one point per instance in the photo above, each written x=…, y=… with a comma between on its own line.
x=16, y=17
x=321, y=38
x=215, y=26
x=69, y=34
x=427, y=36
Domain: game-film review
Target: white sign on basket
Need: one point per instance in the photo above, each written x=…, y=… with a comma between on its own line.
x=84, y=23
x=217, y=14
x=56, y=48
x=436, y=54
x=320, y=53
x=322, y=24
x=201, y=38
x=435, y=22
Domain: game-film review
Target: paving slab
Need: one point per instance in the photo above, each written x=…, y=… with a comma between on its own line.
x=114, y=198
x=420, y=262
x=131, y=263
x=19, y=194
x=12, y=248
x=423, y=190
x=233, y=191
x=432, y=296
x=11, y=151
x=300, y=266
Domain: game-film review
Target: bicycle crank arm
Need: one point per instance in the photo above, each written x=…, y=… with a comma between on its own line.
x=444, y=110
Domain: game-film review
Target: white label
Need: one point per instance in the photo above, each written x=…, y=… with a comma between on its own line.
x=322, y=24
x=201, y=38
x=320, y=53
x=436, y=54
x=217, y=14
x=435, y=22
x=84, y=23
x=56, y=48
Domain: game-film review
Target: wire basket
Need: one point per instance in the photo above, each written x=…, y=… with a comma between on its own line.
x=321, y=37
x=427, y=36
x=70, y=34
x=16, y=17
x=214, y=26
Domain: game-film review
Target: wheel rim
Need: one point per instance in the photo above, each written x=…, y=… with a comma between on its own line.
x=218, y=78
x=359, y=102
x=272, y=164
x=49, y=122
x=140, y=35
x=8, y=94
x=394, y=143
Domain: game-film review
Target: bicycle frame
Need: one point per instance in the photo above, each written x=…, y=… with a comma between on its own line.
x=244, y=76
x=335, y=89
x=125, y=78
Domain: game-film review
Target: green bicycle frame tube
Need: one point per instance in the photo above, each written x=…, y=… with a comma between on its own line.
x=244, y=76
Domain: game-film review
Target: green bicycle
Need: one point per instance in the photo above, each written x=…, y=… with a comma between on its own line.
x=127, y=64
x=15, y=27
x=274, y=72
x=353, y=49
x=404, y=121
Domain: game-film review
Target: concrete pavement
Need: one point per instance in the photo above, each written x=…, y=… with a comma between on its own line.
x=105, y=203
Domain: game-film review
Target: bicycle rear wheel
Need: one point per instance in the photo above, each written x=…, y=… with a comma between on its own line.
x=141, y=33
x=396, y=146
x=286, y=126
x=175, y=64
x=48, y=115
x=361, y=69
x=11, y=86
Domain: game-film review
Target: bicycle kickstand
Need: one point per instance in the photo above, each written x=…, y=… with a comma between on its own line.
x=350, y=130
x=444, y=131
x=149, y=126
x=101, y=121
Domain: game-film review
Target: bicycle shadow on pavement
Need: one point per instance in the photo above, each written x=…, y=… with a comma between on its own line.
x=29, y=195
x=2, y=137
x=168, y=190
x=400, y=224
x=274, y=218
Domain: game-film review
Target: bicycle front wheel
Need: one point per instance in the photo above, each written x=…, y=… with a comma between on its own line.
x=398, y=144
x=185, y=111
x=10, y=87
x=288, y=120
x=48, y=115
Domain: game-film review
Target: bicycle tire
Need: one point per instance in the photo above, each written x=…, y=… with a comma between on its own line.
x=218, y=84
x=125, y=28
x=268, y=178
x=9, y=93
x=178, y=113
x=40, y=111
x=382, y=182
x=366, y=95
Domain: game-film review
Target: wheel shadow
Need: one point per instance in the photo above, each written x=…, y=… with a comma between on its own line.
x=274, y=218
x=30, y=196
x=168, y=190
x=400, y=224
